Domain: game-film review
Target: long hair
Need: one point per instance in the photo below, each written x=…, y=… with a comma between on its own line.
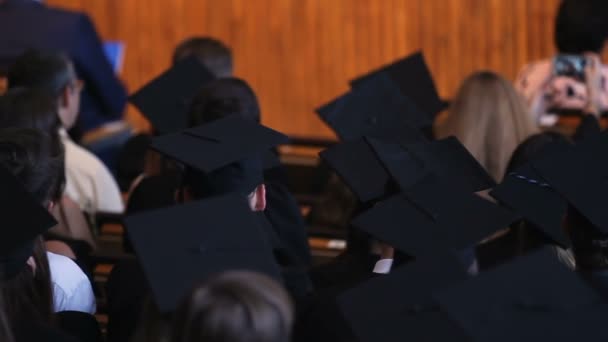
x=235, y=306
x=6, y=333
x=490, y=118
x=21, y=299
x=42, y=280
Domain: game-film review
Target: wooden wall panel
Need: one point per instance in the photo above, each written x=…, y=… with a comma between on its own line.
x=297, y=54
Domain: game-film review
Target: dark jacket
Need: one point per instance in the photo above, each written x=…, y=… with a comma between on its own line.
x=27, y=24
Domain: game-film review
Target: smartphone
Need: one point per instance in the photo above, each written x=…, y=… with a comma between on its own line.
x=570, y=66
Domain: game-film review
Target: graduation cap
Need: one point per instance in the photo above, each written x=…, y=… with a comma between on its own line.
x=434, y=216
x=375, y=109
x=399, y=306
x=579, y=176
x=359, y=168
x=23, y=220
x=183, y=245
x=227, y=142
x=412, y=76
x=165, y=101
x=533, y=298
x=529, y=195
x=447, y=159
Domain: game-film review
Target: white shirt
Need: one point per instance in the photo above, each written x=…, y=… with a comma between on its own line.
x=72, y=290
x=383, y=266
x=88, y=182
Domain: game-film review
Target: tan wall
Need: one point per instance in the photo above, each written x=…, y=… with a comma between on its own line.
x=297, y=54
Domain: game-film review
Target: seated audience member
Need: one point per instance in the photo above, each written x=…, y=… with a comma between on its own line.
x=88, y=182
x=36, y=160
x=234, y=97
x=214, y=54
x=217, y=61
x=581, y=31
x=227, y=236
x=235, y=306
x=28, y=158
x=73, y=33
x=524, y=236
x=490, y=119
x=240, y=173
x=23, y=108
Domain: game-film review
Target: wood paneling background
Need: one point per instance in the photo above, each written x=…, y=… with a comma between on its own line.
x=297, y=54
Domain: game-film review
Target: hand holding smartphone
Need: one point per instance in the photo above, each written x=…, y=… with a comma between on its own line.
x=570, y=66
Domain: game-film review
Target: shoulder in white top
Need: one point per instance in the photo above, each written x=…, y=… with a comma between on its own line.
x=383, y=266
x=88, y=182
x=72, y=290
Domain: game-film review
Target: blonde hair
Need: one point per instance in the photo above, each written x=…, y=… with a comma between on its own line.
x=490, y=119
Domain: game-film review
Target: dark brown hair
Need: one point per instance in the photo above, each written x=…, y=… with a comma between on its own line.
x=21, y=298
x=214, y=54
x=235, y=306
x=36, y=159
x=224, y=97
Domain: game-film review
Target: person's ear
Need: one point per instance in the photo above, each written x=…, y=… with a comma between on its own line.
x=32, y=264
x=259, y=198
x=50, y=206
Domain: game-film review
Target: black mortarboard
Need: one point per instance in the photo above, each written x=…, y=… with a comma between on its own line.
x=359, y=168
x=411, y=74
x=399, y=306
x=447, y=159
x=375, y=109
x=23, y=220
x=165, y=101
x=433, y=216
x=219, y=143
x=529, y=195
x=533, y=298
x=450, y=161
x=579, y=176
x=232, y=142
x=183, y=245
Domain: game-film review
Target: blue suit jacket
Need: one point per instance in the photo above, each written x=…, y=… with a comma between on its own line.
x=27, y=24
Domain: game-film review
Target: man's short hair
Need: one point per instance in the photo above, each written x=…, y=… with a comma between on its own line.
x=49, y=71
x=581, y=26
x=214, y=54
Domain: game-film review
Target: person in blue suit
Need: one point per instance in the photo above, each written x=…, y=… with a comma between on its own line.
x=30, y=24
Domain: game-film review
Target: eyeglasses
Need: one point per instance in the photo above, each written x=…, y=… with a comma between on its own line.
x=77, y=85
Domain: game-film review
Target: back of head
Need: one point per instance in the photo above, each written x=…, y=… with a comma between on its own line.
x=219, y=99
x=48, y=71
x=29, y=108
x=581, y=26
x=235, y=306
x=216, y=56
x=490, y=118
x=36, y=160
x=534, y=147
x=224, y=97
